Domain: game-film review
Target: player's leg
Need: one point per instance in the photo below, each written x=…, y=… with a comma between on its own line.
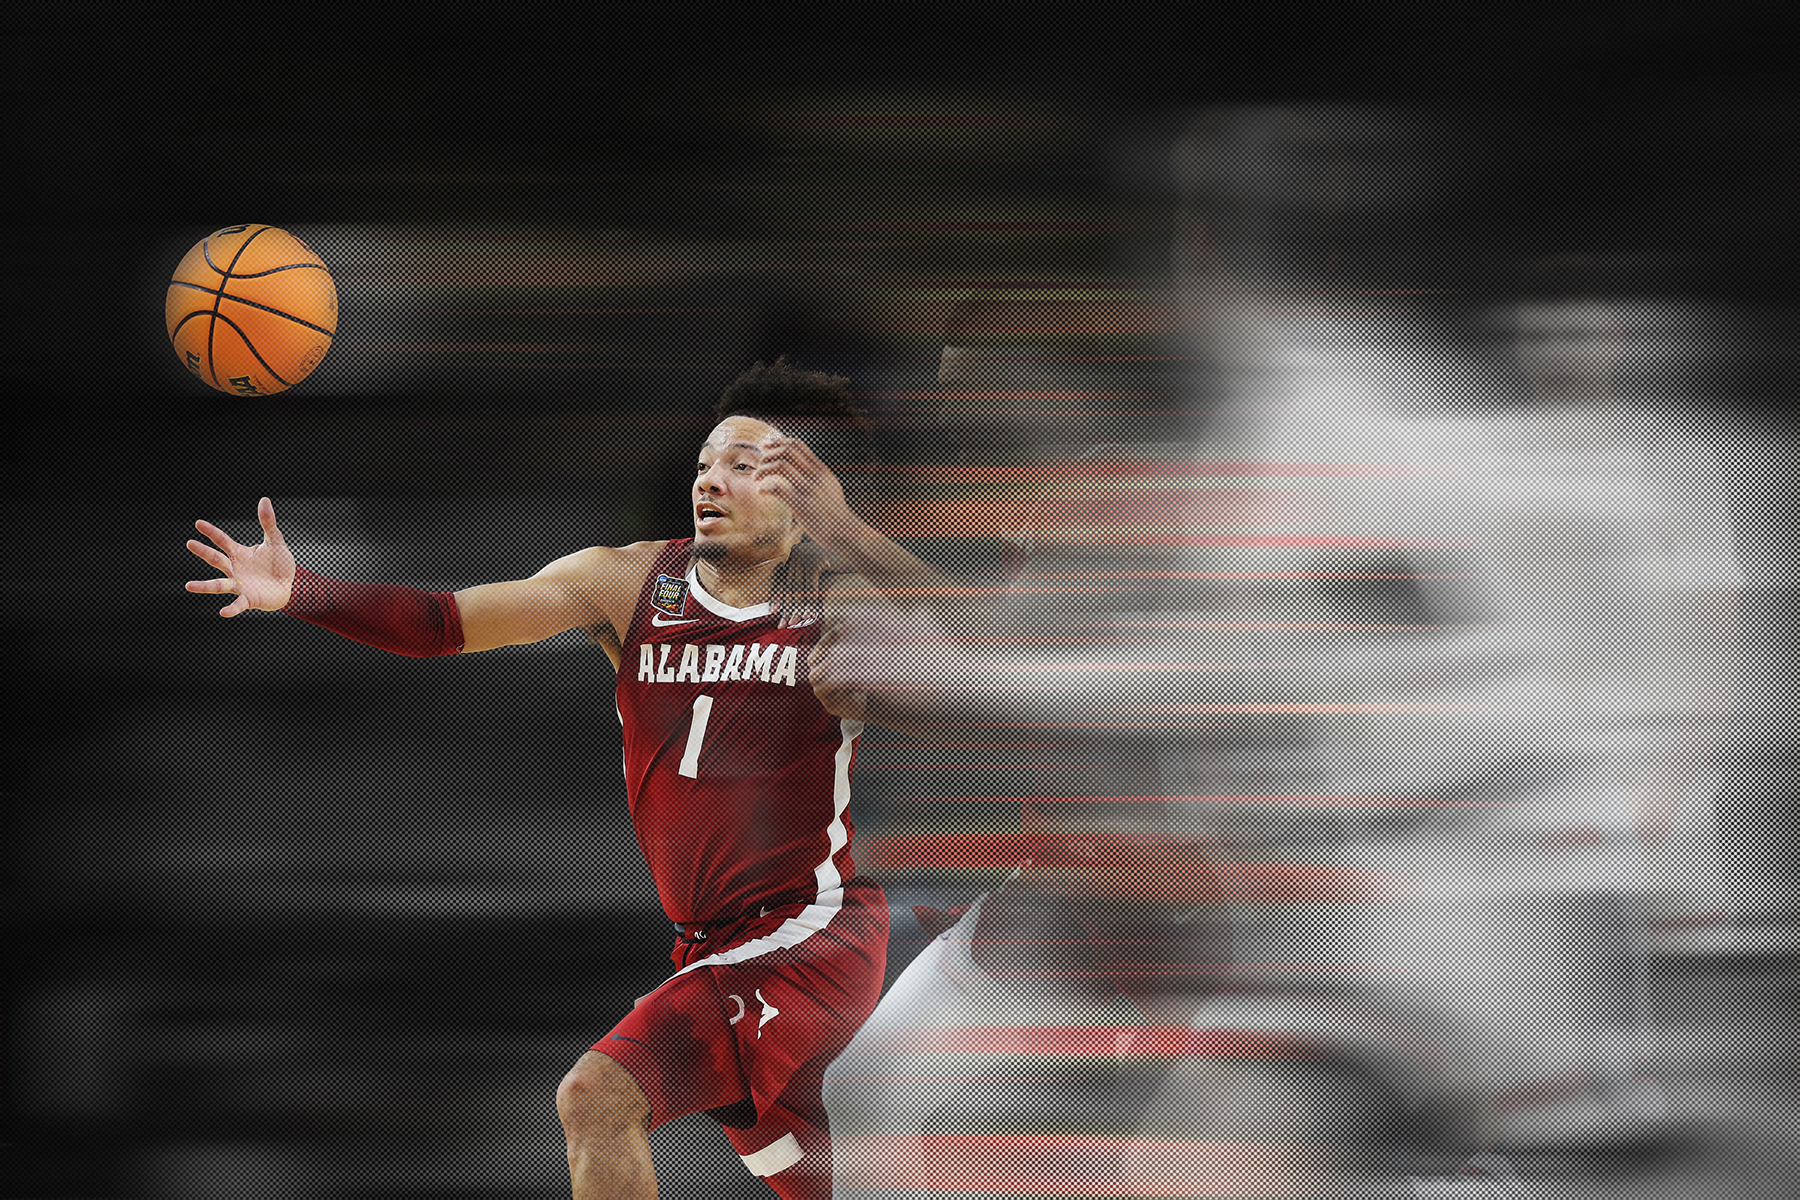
x=788, y=1147
x=805, y=1177
x=800, y=1007
x=673, y=1054
x=606, y=1118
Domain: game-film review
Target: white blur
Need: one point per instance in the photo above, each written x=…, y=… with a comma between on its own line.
x=1456, y=618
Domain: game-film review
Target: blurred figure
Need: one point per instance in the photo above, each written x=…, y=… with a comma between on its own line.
x=1388, y=767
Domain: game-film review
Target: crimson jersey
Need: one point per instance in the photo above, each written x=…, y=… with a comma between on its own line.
x=738, y=780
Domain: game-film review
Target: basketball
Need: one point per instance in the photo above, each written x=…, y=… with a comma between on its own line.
x=251, y=310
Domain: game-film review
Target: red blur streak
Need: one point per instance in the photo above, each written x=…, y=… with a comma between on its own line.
x=971, y=850
x=1286, y=800
x=1138, y=505
x=1174, y=471
x=1072, y=1165
x=1121, y=865
x=1086, y=520
x=1415, y=707
x=1040, y=583
x=1419, y=706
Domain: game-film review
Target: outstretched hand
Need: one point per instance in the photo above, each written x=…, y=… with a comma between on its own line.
x=261, y=575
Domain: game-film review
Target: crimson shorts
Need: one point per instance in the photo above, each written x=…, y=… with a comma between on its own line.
x=746, y=1026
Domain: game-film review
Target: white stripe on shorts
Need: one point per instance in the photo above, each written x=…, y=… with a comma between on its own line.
x=778, y=1155
x=791, y=932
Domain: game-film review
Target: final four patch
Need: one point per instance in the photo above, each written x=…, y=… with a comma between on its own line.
x=670, y=595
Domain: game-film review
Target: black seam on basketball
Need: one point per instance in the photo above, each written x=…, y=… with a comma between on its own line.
x=212, y=363
x=229, y=273
x=206, y=251
x=198, y=312
x=212, y=360
x=331, y=333
x=272, y=270
x=252, y=345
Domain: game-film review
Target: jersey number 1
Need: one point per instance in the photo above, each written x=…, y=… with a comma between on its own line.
x=690, y=754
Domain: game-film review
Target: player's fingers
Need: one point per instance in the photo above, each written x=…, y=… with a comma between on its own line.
x=787, y=446
x=787, y=453
x=778, y=486
x=843, y=701
x=216, y=535
x=796, y=610
x=786, y=467
x=265, y=516
x=208, y=555
x=235, y=607
x=211, y=585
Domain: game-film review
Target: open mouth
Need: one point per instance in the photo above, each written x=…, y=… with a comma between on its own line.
x=706, y=515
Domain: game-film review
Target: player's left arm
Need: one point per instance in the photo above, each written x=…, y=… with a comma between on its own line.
x=894, y=630
x=791, y=471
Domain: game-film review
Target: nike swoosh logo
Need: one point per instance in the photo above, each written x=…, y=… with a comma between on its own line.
x=657, y=619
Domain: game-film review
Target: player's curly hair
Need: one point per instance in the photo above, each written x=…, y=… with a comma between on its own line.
x=813, y=406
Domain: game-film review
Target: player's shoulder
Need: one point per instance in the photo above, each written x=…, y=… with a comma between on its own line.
x=608, y=561
x=637, y=554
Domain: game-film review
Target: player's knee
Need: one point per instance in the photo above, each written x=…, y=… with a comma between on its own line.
x=598, y=1097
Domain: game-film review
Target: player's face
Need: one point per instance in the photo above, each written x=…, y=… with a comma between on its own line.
x=732, y=517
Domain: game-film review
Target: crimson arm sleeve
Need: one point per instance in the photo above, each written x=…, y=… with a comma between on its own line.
x=400, y=620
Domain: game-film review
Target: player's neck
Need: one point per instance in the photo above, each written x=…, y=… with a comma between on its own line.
x=737, y=584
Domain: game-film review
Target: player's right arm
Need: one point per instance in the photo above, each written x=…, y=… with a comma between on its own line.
x=593, y=588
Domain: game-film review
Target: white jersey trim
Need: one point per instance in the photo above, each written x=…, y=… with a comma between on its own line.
x=827, y=874
x=719, y=607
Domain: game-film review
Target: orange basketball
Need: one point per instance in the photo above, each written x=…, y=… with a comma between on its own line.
x=252, y=310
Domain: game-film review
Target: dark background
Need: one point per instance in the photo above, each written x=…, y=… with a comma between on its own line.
x=288, y=916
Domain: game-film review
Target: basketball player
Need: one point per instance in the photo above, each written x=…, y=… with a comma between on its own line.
x=738, y=748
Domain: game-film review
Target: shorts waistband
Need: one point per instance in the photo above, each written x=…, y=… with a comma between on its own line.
x=706, y=931
x=709, y=931
x=699, y=931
